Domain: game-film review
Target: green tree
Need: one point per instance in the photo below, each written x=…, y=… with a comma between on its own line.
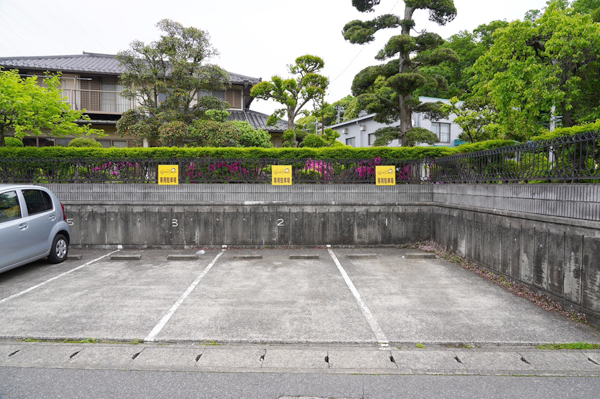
x=294, y=93
x=468, y=46
x=388, y=89
x=30, y=109
x=475, y=116
x=539, y=69
x=168, y=78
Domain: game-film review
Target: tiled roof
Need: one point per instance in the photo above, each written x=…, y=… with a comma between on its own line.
x=85, y=63
x=258, y=120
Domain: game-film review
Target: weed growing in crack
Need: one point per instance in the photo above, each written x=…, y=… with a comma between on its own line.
x=576, y=346
x=421, y=346
x=521, y=290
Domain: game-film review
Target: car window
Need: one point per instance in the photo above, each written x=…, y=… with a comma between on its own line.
x=37, y=201
x=9, y=206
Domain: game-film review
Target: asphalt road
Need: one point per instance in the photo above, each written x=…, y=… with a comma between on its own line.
x=16, y=383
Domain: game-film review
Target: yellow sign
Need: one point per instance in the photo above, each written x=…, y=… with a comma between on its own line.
x=386, y=175
x=282, y=175
x=168, y=175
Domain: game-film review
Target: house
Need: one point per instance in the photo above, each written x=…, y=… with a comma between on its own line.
x=90, y=81
x=360, y=132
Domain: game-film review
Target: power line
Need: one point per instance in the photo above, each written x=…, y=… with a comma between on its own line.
x=19, y=36
x=89, y=22
x=355, y=57
x=24, y=27
x=9, y=43
x=361, y=50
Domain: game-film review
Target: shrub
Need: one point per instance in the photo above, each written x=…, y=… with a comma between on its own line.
x=569, y=131
x=12, y=142
x=337, y=152
x=207, y=133
x=314, y=141
x=84, y=142
x=251, y=137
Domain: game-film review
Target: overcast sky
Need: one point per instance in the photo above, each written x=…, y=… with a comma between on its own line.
x=257, y=38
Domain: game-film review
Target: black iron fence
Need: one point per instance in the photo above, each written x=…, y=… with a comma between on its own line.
x=566, y=159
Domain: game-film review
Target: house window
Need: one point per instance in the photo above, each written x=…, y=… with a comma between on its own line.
x=350, y=142
x=113, y=143
x=442, y=130
x=234, y=98
x=219, y=94
x=372, y=138
x=45, y=142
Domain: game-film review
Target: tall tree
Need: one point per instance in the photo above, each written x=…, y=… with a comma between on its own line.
x=294, y=93
x=388, y=89
x=468, y=46
x=543, y=68
x=31, y=109
x=167, y=78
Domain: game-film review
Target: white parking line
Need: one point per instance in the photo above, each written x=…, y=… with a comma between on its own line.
x=18, y=294
x=382, y=340
x=156, y=330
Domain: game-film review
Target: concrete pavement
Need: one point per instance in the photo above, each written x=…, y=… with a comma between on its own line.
x=316, y=310
x=341, y=359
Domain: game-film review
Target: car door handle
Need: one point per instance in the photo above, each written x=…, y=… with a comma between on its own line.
x=23, y=226
x=52, y=218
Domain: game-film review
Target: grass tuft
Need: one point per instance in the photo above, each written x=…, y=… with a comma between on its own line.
x=573, y=346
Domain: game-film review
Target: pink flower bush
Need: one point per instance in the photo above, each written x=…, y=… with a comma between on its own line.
x=367, y=168
x=323, y=168
x=114, y=169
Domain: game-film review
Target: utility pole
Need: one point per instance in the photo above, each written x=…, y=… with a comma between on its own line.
x=340, y=111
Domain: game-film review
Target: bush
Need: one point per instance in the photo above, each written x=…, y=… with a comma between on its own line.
x=314, y=141
x=84, y=142
x=207, y=133
x=484, y=145
x=337, y=152
x=12, y=142
x=569, y=131
x=251, y=137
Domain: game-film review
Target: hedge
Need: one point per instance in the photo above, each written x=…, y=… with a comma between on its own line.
x=227, y=152
x=401, y=153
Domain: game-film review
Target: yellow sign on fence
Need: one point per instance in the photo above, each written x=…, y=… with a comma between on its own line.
x=386, y=175
x=168, y=175
x=282, y=175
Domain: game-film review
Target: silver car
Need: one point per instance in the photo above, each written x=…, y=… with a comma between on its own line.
x=33, y=225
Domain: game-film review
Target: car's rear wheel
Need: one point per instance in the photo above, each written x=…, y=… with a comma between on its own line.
x=59, y=250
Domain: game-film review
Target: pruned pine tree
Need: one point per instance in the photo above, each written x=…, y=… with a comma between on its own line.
x=388, y=89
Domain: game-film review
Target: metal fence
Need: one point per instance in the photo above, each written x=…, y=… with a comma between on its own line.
x=566, y=159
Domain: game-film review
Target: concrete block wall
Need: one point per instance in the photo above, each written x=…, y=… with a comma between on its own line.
x=186, y=226
x=240, y=194
x=578, y=201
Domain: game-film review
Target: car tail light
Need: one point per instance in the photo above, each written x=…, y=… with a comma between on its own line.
x=64, y=214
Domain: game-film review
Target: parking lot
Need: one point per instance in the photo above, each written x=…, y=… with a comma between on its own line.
x=301, y=296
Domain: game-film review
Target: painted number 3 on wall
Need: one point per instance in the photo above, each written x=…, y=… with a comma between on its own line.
x=174, y=223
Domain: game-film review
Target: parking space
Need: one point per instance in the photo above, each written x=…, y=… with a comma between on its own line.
x=317, y=296
x=273, y=299
x=435, y=301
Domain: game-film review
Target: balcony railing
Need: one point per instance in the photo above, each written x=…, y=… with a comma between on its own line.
x=97, y=101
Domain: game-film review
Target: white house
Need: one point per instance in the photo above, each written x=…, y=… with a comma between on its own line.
x=360, y=132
